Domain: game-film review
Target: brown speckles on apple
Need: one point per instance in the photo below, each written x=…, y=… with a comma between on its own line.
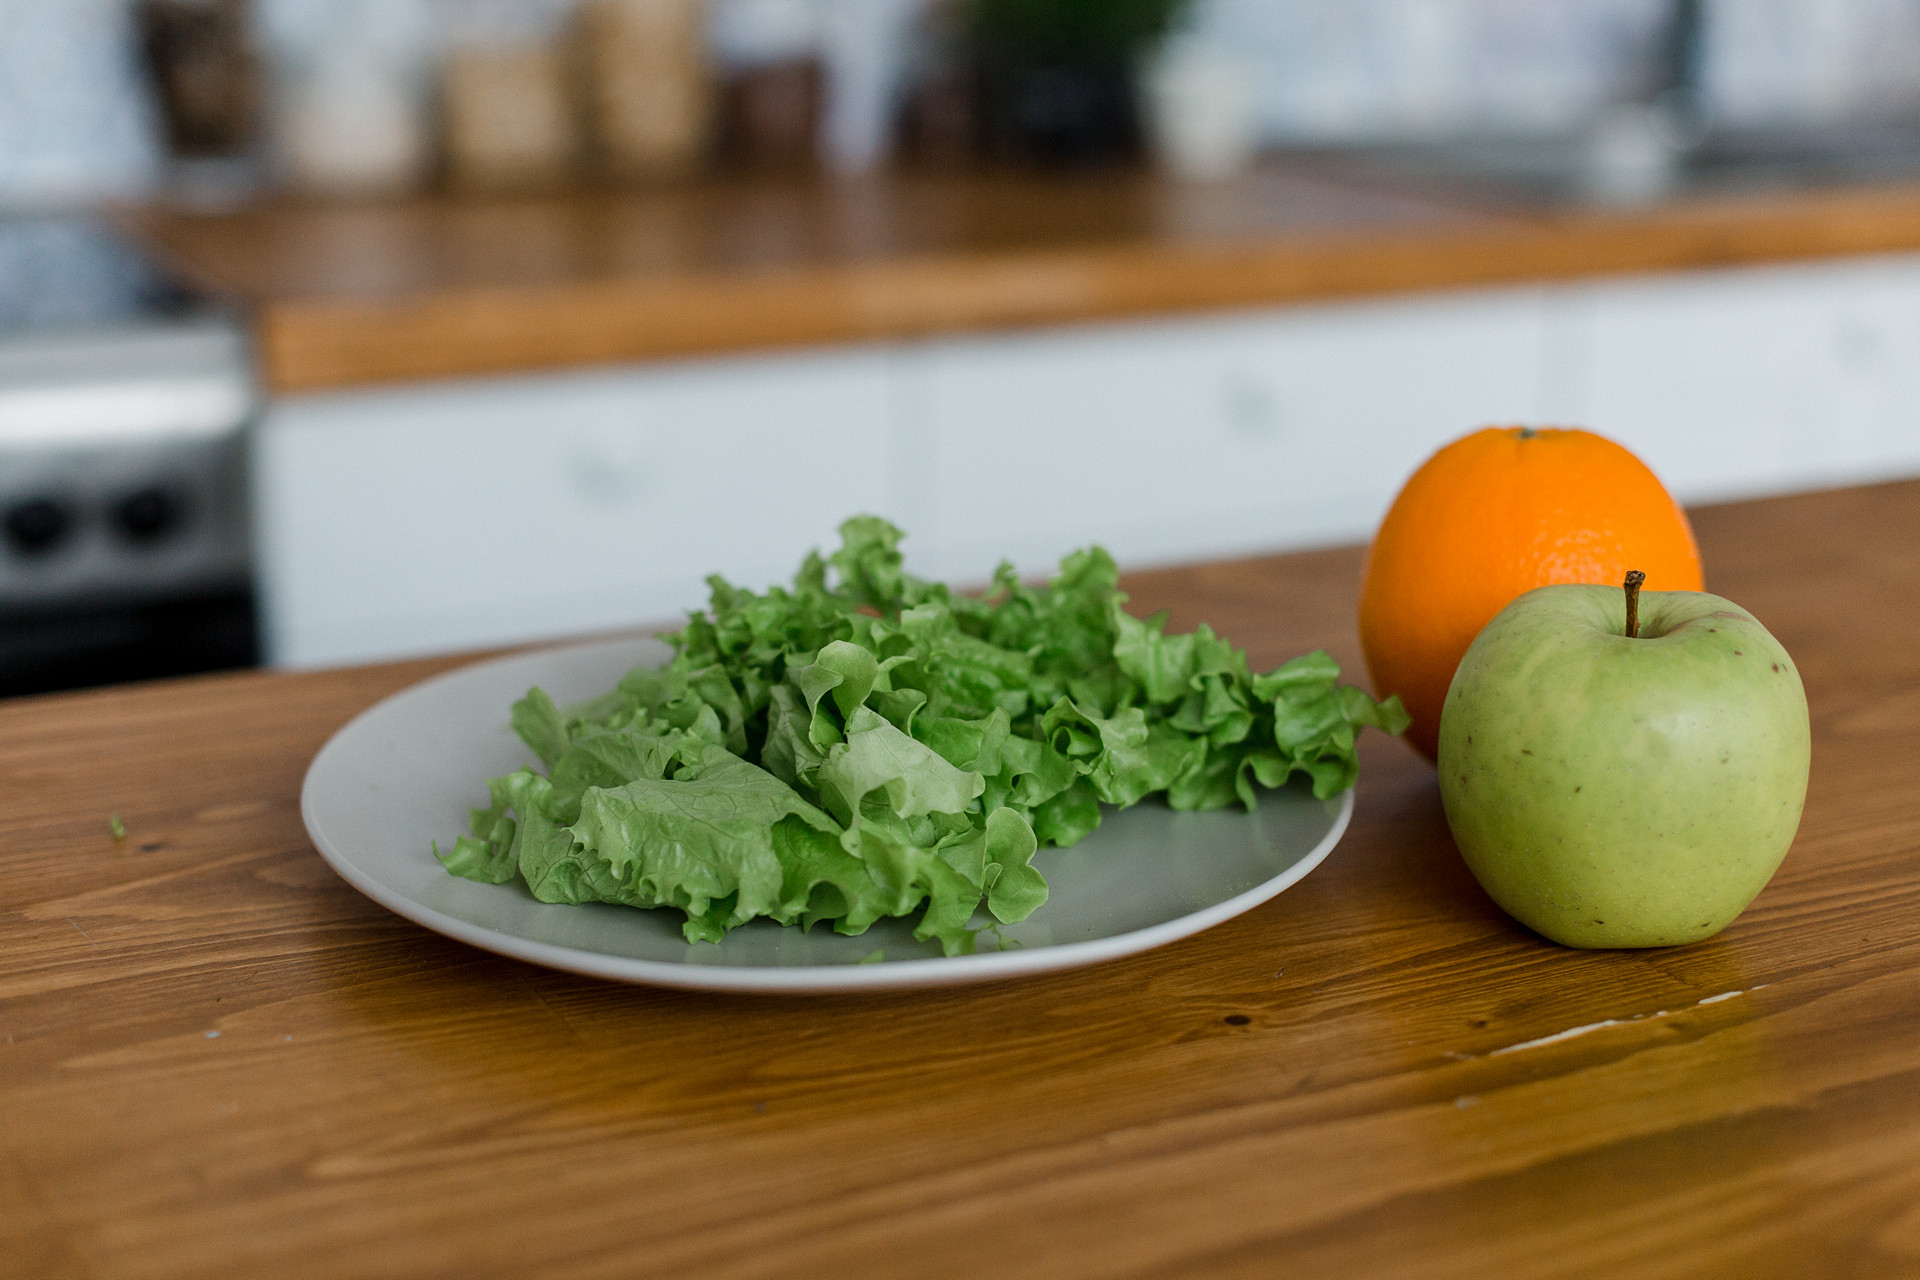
x=1776, y=668
x=1738, y=654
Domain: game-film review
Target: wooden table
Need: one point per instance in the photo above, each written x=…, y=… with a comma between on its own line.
x=217, y=1059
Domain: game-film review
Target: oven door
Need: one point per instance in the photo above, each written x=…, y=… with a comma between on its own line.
x=44, y=649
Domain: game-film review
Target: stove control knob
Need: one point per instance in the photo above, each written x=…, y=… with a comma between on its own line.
x=37, y=525
x=150, y=514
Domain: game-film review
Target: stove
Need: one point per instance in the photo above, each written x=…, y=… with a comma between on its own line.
x=125, y=402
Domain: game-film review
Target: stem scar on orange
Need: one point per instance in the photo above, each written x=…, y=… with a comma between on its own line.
x=1490, y=516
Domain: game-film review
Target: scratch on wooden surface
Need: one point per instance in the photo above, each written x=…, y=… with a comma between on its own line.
x=76, y=925
x=1574, y=1032
x=1569, y=1034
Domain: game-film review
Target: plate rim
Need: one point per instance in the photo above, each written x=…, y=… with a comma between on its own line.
x=824, y=979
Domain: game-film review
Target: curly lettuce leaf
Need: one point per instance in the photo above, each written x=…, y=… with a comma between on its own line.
x=867, y=745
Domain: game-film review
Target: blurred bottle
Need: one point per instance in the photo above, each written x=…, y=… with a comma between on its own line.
x=774, y=81
x=1202, y=109
x=771, y=116
x=506, y=116
x=940, y=124
x=350, y=113
x=647, y=87
x=200, y=57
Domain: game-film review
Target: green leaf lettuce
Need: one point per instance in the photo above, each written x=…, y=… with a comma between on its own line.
x=866, y=745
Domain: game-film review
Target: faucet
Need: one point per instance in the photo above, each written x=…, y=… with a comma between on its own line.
x=1674, y=79
x=1639, y=146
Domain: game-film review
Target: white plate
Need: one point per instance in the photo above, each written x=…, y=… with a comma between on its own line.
x=405, y=772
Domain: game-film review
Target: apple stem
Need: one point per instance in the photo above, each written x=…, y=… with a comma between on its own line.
x=1634, y=579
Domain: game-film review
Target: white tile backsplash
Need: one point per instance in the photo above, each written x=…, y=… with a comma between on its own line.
x=1355, y=69
x=75, y=122
x=1801, y=60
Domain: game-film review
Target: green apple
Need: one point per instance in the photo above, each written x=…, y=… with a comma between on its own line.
x=1613, y=785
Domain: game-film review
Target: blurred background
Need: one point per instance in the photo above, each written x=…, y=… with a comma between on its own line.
x=225, y=99
x=337, y=330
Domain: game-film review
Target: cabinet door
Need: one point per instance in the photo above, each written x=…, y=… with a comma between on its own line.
x=1202, y=438
x=1745, y=382
x=477, y=514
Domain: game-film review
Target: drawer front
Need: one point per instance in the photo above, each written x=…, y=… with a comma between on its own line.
x=1202, y=438
x=1761, y=380
x=469, y=515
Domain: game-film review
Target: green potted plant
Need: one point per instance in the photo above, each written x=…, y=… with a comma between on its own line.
x=1058, y=76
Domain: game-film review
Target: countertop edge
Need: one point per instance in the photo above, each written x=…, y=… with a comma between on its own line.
x=334, y=343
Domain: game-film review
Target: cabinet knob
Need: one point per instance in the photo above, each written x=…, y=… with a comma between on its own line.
x=1861, y=344
x=1251, y=406
x=608, y=469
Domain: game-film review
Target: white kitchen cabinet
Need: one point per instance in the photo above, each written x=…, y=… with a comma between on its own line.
x=1757, y=380
x=470, y=514
x=461, y=515
x=1204, y=437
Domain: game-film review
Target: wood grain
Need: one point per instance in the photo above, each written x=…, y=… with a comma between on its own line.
x=347, y=295
x=217, y=1059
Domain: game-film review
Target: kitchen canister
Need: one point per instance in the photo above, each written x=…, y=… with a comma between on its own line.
x=506, y=116
x=647, y=86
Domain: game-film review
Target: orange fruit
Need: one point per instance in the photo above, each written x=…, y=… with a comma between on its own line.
x=1490, y=516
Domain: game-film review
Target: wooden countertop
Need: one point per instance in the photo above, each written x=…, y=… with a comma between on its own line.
x=218, y=1059
x=347, y=295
